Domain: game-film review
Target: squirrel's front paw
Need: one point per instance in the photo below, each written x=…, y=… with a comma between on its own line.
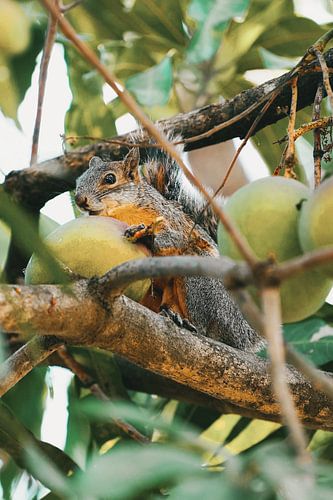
x=135, y=233
x=177, y=319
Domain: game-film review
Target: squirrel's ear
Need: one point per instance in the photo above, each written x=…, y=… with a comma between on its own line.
x=95, y=161
x=132, y=160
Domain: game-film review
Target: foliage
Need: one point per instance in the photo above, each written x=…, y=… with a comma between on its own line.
x=173, y=56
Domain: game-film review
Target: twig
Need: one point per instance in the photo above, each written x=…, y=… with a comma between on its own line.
x=87, y=380
x=272, y=327
x=115, y=281
x=19, y=364
x=66, y=8
x=48, y=46
x=324, y=121
x=289, y=158
x=317, y=150
x=160, y=137
x=326, y=78
x=317, y=378
x=297, y=265
x=238, y=152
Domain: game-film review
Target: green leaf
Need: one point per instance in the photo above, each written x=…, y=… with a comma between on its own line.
x=4, y=243
x=212, y=17
x=27, y=399
x=133, y=470
x=153, y=86
x=44, y=461
x=242, y=36
x=26, y=236
x=273, y=61
x=88, y=114
x=291, y=37
x=78, y=429
x=312, y=337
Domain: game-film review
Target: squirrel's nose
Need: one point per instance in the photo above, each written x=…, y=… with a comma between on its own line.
x=81, y=201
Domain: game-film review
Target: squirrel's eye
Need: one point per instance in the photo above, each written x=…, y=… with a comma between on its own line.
x=110, y=179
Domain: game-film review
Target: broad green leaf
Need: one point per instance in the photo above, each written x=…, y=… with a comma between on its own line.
x=78, y=429
x=153, y=86
x=220, y=429
x=273, y=61
x=255, y=432
x=291, y=37
x=133, y=470
x=43, y=460
x=212, y=17
x=27, y=399
x=312, y=337
x=242, y=36
x=88, y=115
x=321, y=445
x=4, y=243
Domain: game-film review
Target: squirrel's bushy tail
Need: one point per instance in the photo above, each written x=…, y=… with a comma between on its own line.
x=164, y=174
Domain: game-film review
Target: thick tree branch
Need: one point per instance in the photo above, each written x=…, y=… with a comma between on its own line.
x=158, y=345
x=35, y=186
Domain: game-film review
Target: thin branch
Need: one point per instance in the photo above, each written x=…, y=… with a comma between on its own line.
x=19, y=364
x=318, y=379
x=48, y=46
x=290, y=157
x=317, y=150
x=70, y=6
x=273, y=332
x=160, y=137
x=87, y=380
x=297, y=265
x=240, y=148
x=326, y=78
x=115, y=281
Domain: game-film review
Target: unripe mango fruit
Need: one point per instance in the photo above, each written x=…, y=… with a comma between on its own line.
x=266, y=212
x=315, y=227
x=14, y=27
x=89, y=246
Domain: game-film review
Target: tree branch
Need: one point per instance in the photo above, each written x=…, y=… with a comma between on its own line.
x=157, y=344
x=33, y=187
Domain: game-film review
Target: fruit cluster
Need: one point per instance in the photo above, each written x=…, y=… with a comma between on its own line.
x=282, y=218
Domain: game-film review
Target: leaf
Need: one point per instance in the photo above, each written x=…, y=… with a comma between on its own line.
x=88, y=114
x=44, y=461
x=242, y=36
x=132, y=470
x=153, y=86
x=27, y=398
x=291, y=37
x=312, y=337
x=26, y=236
x=4, y=243
x=273, y=61
x=212, y=17
x=78, y=437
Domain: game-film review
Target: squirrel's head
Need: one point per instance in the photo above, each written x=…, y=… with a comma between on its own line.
x=106, y=185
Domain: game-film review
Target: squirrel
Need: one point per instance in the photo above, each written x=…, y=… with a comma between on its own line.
x=151, y=199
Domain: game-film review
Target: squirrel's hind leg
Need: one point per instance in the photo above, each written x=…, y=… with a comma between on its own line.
x=171, y=306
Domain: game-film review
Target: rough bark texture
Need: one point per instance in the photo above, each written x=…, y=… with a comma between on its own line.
x=33, y=187
x=155, y=343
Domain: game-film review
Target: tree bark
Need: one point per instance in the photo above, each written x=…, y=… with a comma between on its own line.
x=33, y=187
x=235, y=377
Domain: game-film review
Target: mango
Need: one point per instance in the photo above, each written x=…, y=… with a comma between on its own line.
x=89, y=246
x=266, y=212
